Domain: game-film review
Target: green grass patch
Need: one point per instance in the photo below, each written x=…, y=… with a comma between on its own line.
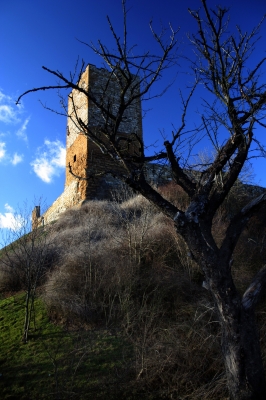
x=55, y=363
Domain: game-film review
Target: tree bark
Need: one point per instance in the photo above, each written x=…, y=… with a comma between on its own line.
x=242, y=357
x=27, y=317
x=240, y=337
x=240, y=342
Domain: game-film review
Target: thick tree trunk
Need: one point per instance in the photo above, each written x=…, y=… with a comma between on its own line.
x=240, y=339
x=240, y=344
x=242, y=357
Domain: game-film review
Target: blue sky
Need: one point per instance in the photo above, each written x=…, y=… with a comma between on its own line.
x=34, y=33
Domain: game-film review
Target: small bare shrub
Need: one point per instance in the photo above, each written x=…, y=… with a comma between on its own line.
x=25, y=260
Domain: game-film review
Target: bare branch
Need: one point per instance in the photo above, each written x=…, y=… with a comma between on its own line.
x=178, y=174
x=238, y=223
x=39, y=89
x=255, y=290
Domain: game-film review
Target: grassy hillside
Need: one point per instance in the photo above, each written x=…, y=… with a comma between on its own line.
x=57, y=363
x=121, y=311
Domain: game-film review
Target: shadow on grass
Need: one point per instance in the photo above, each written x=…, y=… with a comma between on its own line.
x=56, y=364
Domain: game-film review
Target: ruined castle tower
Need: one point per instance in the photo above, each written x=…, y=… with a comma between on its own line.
x=82, y=155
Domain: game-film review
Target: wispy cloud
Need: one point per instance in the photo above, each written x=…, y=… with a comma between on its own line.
x=10, y=219
x=11, y=126
x=16, y=159
x=50, y=160
x=9, y=208
x=6, y=158
x=9, y=113
x=21, y=133
x=2, y=150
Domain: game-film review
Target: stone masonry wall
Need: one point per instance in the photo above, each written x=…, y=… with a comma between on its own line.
x=84, y=157
x=106, y=90
x=69, y=198
x=77, y=157
x=100, y=189
x=78, y=105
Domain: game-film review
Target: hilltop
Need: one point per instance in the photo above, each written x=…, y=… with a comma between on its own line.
x=120, y=309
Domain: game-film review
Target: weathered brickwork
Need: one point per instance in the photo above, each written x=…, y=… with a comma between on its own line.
x=77, y=158
x=106, y=89
x=83, y=156
x=77, y=103
x=69, y=198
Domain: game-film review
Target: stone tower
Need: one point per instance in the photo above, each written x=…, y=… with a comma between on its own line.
x=85, y=158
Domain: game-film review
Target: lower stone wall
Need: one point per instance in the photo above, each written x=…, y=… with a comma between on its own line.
x=69, y=198
x=102, y=188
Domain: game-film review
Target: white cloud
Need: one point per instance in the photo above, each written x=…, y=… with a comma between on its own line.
x=50, y=160
x=21, y=133
x=6, y=113
x=8, y=110
x=10, y=220
x=16, y=159
x=7, y=158
x=4, y=97
x=2, y=150
x=9, y=208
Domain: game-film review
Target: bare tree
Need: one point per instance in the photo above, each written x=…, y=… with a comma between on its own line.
x=25, y=260
x=238, y=104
